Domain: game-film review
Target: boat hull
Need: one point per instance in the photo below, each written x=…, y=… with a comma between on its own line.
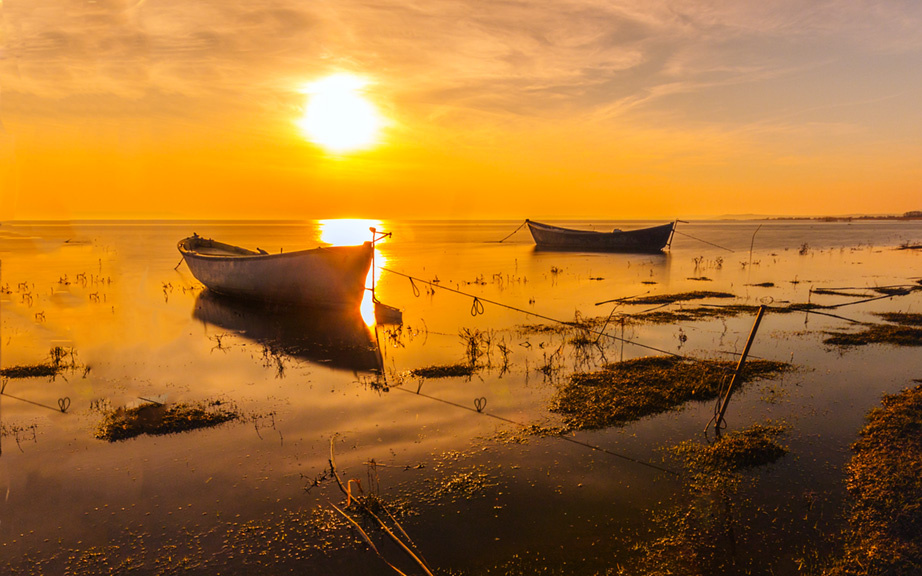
x=322, y=277
x=653, y=239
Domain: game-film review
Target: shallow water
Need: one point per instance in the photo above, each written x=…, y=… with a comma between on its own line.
x=235, y=499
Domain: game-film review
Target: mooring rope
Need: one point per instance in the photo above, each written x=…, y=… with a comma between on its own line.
x=560, y=436
x=705, y=241
x=513, y=232
x=477, y=308
x=63, y=403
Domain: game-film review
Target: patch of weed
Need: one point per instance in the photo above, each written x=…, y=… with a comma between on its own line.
x=755, y=446
x=160, y=419
x=885, y=484
x=897, y=335
x=626, y=391
x=903, y=318
x=680, y=297
x=445, y=371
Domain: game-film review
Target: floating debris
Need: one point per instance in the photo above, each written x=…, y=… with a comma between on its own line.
x=629, y=390
x=158, y=419
x=885, y=484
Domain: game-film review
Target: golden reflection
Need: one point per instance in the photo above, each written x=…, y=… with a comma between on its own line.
x=338, y=116
x=367, y=308
x=351, y=232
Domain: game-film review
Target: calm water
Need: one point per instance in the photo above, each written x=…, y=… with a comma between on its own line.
x=235, y=499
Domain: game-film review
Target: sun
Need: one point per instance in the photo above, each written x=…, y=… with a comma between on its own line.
x=338, y=116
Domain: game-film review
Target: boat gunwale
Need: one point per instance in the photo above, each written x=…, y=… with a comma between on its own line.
x=552, y=228
x=251, y=255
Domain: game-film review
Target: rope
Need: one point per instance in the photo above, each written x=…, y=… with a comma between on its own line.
x=62, y=406
x=566, y=438
x=516, y=230
x=480, y=301
x=705, y=241
x=476, y=307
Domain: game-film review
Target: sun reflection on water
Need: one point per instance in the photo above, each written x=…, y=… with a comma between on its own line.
x=351, y=232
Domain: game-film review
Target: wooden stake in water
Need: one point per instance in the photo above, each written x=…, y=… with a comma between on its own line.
x=736, y=374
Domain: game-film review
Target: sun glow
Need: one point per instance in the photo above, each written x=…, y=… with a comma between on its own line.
x=347, y=231
x=338, y=116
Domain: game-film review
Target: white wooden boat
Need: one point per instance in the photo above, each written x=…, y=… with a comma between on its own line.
x=323, y=277
x=653, y=239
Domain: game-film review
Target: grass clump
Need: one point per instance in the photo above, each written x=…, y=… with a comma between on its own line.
x=680, y=297
x=902, y=318
x=755, y=446
x=897, y=335
x=56, y=364
x=694, y=314
x=626, y=391
x=30, y=371
x=885, y=485
x=160, y=419
x=445, y=371
x=698, y=534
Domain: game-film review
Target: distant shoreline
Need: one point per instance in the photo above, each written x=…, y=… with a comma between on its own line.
x=906, y=216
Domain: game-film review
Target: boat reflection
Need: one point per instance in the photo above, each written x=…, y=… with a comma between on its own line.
x=334, y=338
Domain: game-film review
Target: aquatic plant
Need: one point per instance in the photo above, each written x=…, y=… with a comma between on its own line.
x=159, y=419
x=626, y=391
x=477, y=344
x=51, y=368
x=679, y=297
x=444, y=371
x=31, y=371
x=737, y=450
x=885, y=485
x=897, y=335
x=903, y=318
x=699, y=535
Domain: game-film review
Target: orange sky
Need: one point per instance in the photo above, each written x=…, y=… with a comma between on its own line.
x=578, y=108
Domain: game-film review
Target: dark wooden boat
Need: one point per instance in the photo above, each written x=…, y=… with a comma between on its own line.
x=323, y=277
x=653, y=239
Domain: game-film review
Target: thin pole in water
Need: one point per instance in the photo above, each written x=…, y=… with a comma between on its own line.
x=739, y=368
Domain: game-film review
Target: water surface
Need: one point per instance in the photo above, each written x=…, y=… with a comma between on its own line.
x=236, y=499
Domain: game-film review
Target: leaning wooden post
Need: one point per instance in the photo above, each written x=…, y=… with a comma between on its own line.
x=739, y=369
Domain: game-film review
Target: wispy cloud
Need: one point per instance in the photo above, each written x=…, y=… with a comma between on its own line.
x=465, y=64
